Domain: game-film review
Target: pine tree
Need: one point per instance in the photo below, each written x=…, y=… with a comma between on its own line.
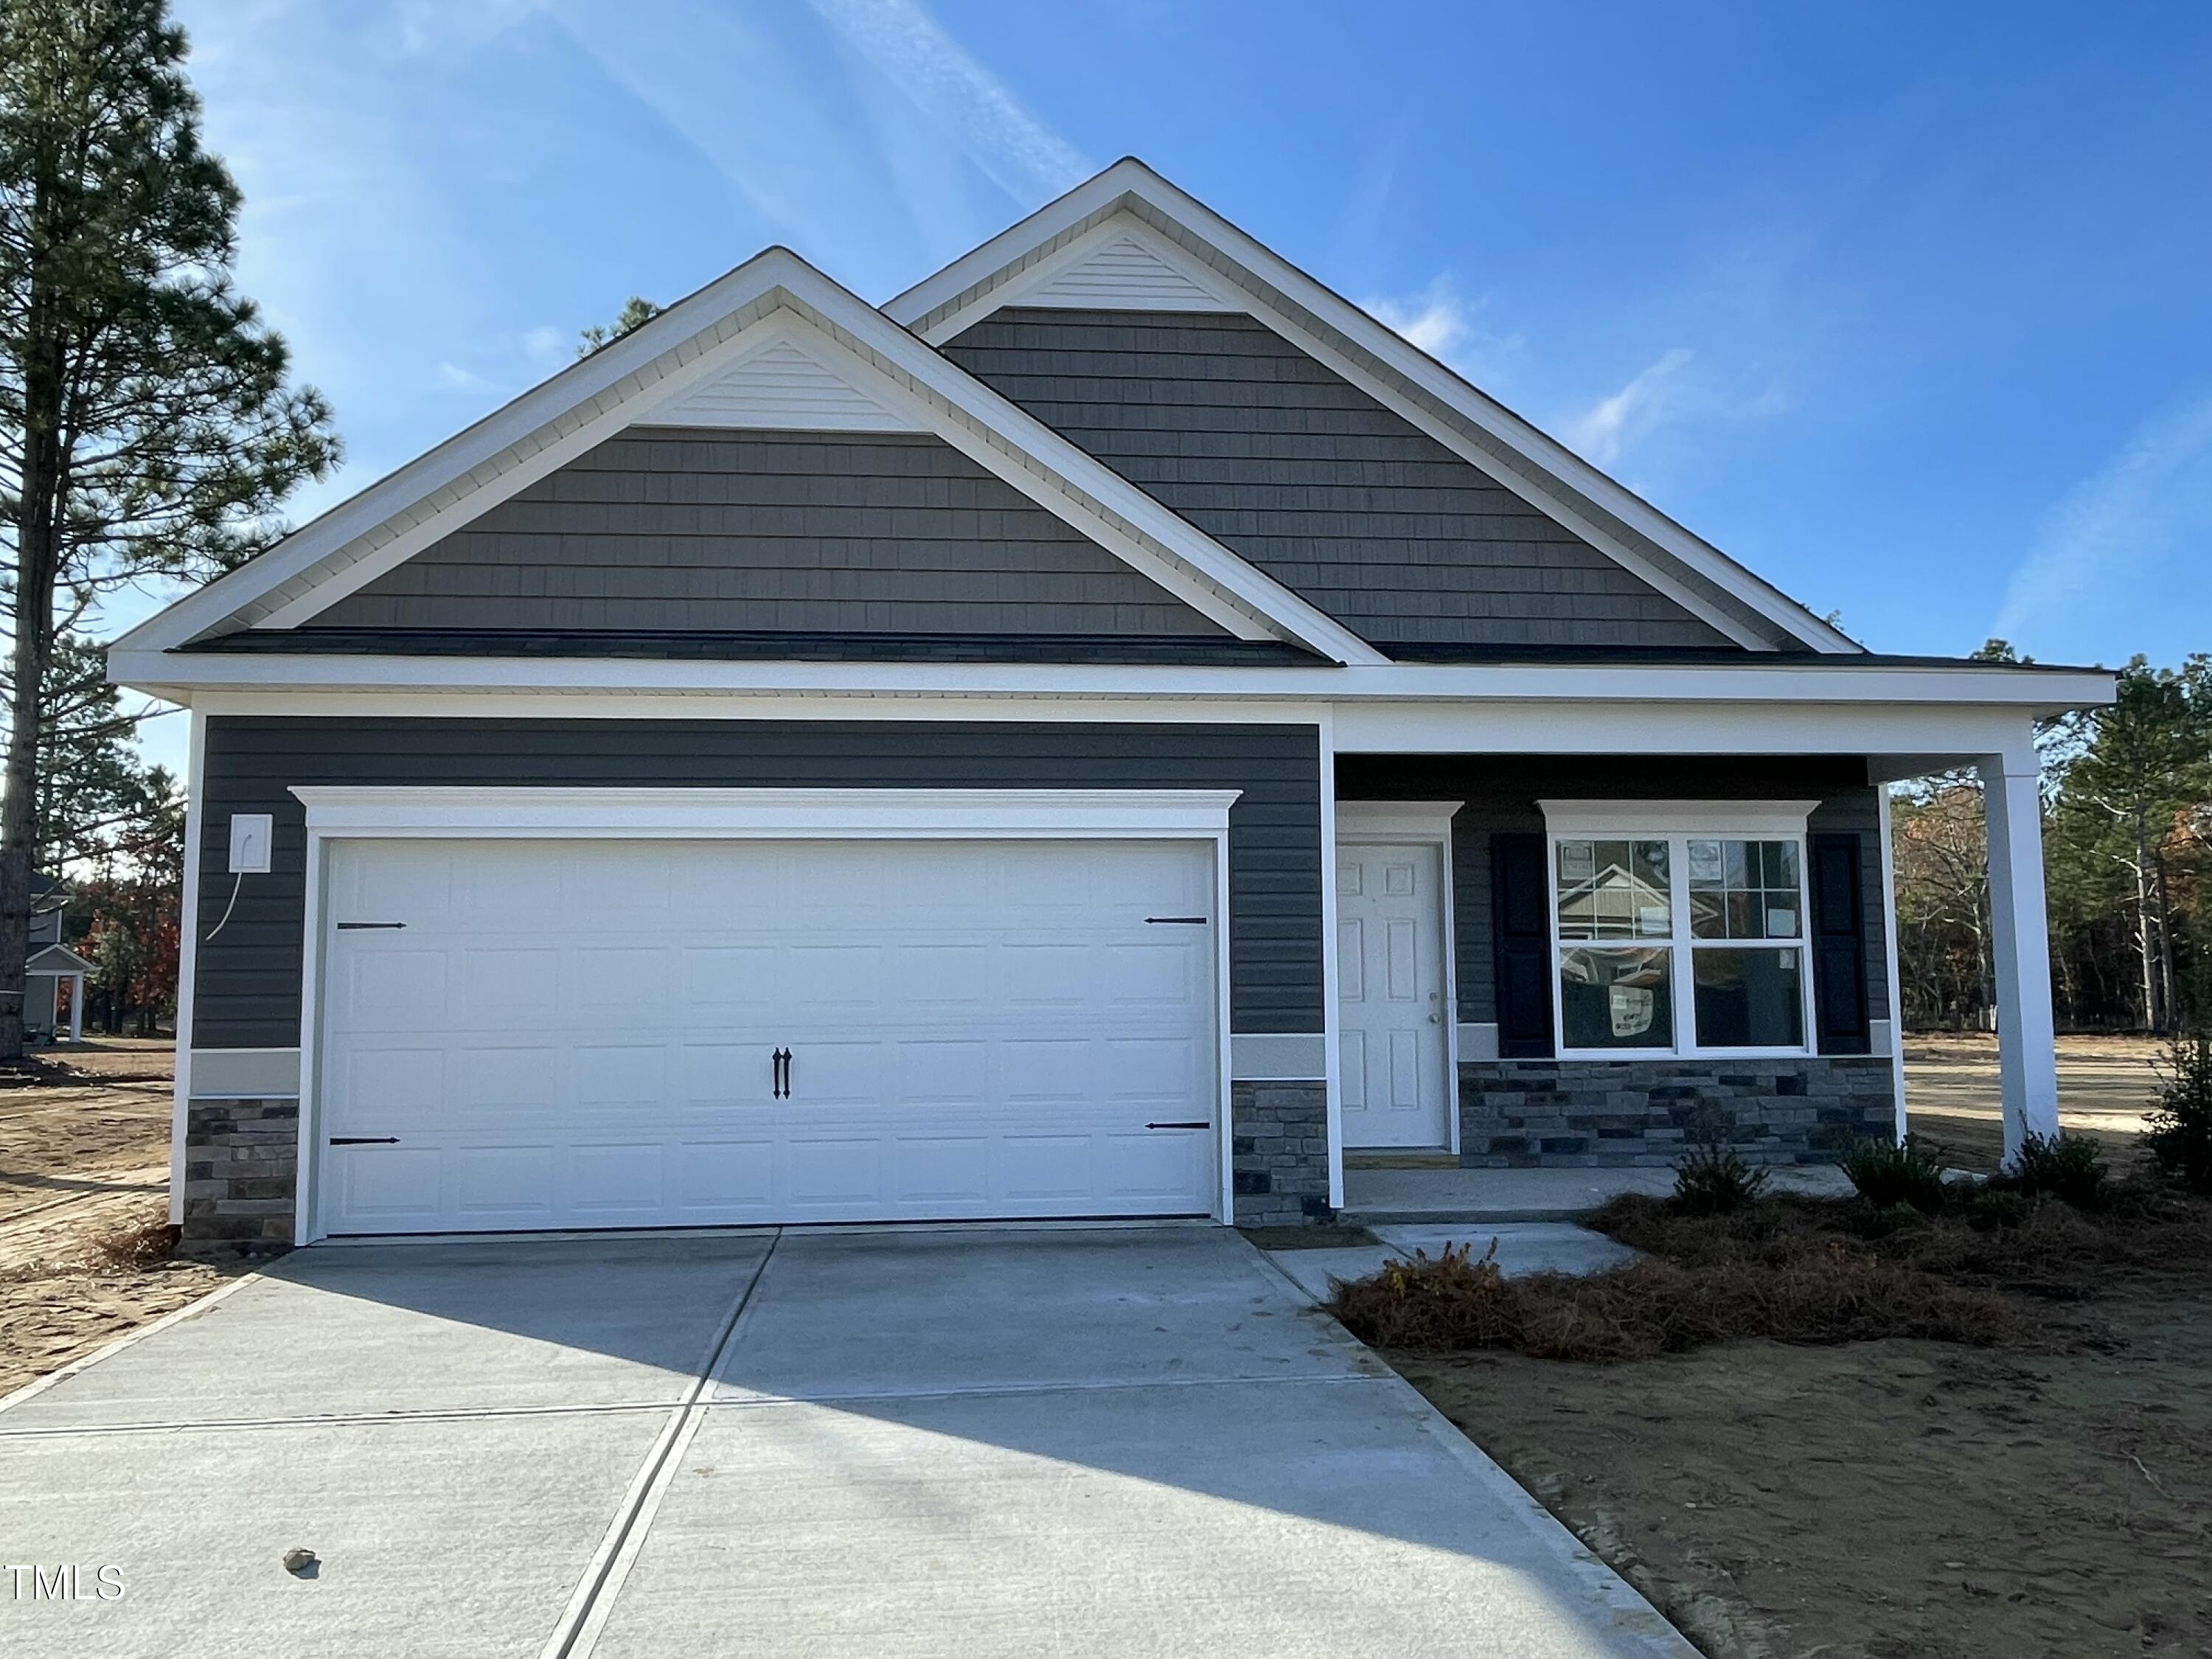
x=148, y=427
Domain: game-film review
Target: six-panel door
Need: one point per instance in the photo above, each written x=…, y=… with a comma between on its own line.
x=1390, y=990
x=581, y=1034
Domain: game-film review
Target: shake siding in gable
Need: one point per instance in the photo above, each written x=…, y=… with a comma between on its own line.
x=702, y=529
x=1315, y=483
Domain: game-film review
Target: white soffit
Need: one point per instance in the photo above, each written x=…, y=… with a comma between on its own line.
x=782, y=385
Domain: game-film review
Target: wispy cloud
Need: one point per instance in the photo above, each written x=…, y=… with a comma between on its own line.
x=548, y=346
x=452, y=377
x=2148, y=503
x=1607, y=428
x=1449, y=327
x=1011, y=146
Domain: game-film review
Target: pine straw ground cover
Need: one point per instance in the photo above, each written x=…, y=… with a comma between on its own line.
x=1982, y=1271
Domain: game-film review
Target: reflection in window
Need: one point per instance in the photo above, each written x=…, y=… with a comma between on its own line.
x=1614, y=890
x=1749, y=999
x=1616, y=998
x=1744, y=888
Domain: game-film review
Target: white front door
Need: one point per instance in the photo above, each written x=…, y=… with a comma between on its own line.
x=1390, y=981
x=540, y=1034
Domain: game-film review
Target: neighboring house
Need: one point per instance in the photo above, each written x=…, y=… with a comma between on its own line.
x=1100, y=735
x=49, y=964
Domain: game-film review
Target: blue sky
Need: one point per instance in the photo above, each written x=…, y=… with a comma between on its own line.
x=1905, y=307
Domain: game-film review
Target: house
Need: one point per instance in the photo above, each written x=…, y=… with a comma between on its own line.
x=49, y=962
x=1102, y=734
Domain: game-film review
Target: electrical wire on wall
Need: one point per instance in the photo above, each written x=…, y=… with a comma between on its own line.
x=237, y=882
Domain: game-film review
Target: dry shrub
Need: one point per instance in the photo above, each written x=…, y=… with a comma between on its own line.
x=138, y=1246
x=1646, y=1308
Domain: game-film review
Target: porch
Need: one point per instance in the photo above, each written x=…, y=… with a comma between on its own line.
x=1551, y=966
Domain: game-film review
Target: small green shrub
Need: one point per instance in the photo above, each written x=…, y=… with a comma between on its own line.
x=1714, y=1180
x=2179, y=1134
x=1887, y=1173
x=2068, y=1167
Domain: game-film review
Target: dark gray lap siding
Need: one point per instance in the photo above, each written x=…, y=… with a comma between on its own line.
x=247, y=989
x=1323, y=488
x=1501, y=792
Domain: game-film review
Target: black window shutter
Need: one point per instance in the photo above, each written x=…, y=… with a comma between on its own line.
x=1521, y=938
x=1839, y=991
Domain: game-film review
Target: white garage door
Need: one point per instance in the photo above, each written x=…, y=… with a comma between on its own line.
x=525, y=1034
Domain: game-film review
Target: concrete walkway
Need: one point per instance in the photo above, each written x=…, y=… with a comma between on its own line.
x=1490, y=1196
x=962, y=1442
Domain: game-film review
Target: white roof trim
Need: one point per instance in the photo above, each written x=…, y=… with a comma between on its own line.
x=660, y=363
x=1686, y=817
x=1279, y=294
x=1766, y=678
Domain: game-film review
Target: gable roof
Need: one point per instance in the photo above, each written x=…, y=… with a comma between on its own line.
x=1083, y=248
x=880, y=370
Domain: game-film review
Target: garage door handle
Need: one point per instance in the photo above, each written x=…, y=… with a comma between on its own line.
x=1178, y=1125
x=364, y=1141
x=779, y=1072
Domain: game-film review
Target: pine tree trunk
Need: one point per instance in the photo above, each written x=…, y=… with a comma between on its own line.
x=37, y=552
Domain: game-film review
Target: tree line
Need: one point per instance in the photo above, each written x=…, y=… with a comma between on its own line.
x=2127, y=844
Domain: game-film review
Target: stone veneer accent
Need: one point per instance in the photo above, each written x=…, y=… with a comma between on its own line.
x=1278, y=1152
x=241, y=1171
x=1520, y=1113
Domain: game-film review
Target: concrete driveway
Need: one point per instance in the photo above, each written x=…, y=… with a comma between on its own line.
x=970, y=1443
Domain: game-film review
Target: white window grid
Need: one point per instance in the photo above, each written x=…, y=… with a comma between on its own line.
x=1680, y=944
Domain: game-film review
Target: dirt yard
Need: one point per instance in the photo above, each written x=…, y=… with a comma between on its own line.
x=84, y=1157
x=2105, y=1085
x=1886, y=1500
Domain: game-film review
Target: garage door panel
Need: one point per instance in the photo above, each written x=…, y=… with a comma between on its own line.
x=388, y=1083
x=1152, y=1166
x=726, y=1074
x=382, y=989
x=1044, y=1069
x=513, y=986
x=614, y=1176
x=394, y=1186
x=1045, y=1171
x=610, y=986
x=722, y=981
x=834, y=1171
x=1044, y=976
x=1154, y=1070
x=937, y=976
x=514, y=1183
x=946, y=1072
x=942, y=1168
x=1164, y=975
x=976, y=1029
x=513, y=1077
x=497, y=895
x=619, y=1075
x=724, y=1178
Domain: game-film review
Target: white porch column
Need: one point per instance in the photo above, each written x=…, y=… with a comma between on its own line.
x=2028, y=1055
x=77, y=1007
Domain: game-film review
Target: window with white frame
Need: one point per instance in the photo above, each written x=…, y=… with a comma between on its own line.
x=1679, y=928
